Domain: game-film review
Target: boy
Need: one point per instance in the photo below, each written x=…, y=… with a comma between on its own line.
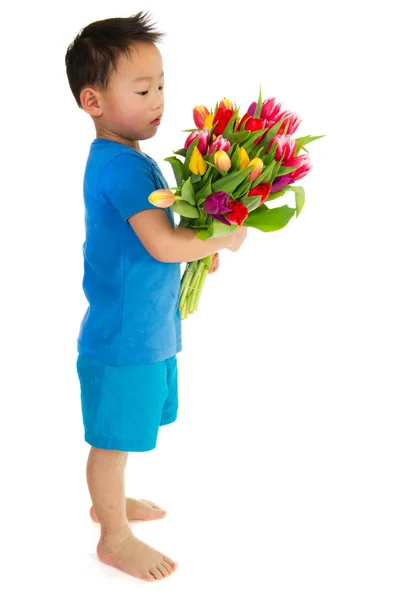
x=131, y=332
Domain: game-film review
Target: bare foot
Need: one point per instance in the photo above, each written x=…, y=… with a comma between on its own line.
x=138, y=510
x=136, y=558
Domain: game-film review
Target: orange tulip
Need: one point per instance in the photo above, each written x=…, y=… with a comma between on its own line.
x=222, y=160
x=162, y=198
x=257, y=168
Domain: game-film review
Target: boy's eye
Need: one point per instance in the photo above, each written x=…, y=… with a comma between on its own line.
x=142, y=93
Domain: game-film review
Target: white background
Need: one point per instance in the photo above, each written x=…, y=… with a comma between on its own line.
x=280, y=476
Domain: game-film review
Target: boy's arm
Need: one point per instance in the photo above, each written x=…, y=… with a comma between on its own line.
x=172, y=244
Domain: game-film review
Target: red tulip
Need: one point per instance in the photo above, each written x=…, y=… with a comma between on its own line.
x=302, y=162
x=203, y=140
x=262, y=189
x=238, y=214
x=199, y=114
x=222, y=117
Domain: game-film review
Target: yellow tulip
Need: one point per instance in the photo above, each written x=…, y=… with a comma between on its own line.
x=208, y=122
x=244, y=159
x=222, y=160
x=197, y=165
x=257, y=168
x=162, y=198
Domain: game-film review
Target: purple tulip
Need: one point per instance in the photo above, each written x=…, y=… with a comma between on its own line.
x=280, y=182
x=216, y=204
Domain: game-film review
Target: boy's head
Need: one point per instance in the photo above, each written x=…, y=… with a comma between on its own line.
x=115, y=73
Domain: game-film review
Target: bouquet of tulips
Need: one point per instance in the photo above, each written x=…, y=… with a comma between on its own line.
x=231, y=167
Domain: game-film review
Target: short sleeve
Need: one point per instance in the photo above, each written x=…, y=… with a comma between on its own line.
x=127, y=181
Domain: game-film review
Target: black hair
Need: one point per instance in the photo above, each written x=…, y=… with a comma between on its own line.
x=92, y=57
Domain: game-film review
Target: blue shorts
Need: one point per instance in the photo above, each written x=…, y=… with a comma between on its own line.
x=123, y=407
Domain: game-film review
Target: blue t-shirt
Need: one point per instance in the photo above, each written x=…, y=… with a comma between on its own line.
x=133, y=316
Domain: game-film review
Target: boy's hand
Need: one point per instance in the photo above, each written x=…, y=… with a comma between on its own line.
x=215, y=263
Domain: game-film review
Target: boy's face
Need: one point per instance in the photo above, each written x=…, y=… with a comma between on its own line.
x=129, y=109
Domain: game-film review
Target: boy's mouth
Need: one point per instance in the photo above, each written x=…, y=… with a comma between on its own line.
x=156, y=121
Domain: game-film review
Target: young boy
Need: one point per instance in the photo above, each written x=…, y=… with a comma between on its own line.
x=131, y=332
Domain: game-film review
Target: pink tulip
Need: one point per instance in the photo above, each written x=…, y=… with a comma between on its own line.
x=302, y=162
x=270, y=109
x=293, y=118
x=199, y=114
x=220, y=143
x=285, y=147
x=203, y=142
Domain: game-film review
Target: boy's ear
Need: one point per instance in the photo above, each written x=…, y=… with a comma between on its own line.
x=90, y=102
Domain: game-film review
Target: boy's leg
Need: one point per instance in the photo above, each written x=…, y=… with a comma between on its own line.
x=137, y=510
x=117, y=546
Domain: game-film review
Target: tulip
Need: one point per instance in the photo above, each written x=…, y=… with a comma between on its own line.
x=208, y=121
x=281, y=182
x=293, y=120
x=262, y=189
x=222, y=117
x=226, y=104
x=197, y=165
x=203, y=140
x=239, y=212
x=200, y=113
x=285, y=147
x=222, y=160
x=220, y=143
x=162, y=198
x=270, y=110
x=257, y=168
x=216, y=204
x=244, y=159
x=302, y=162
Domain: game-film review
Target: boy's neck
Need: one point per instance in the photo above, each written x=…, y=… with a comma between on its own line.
x=108, y=135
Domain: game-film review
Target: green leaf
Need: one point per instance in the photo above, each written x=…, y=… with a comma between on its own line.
x=271, y=133
x=299, y=197
x=285, y=170
x=185, y=209
x=235, y=160
x=251, y=202
x=302, y=141
x=180, y=152
x=259, y=104
x=177, y=167
x=195, y=177
x=269, y=219
x=237, y=137
x=266, y=175
x=242, y=189
x=220, y=229
x=204, y=192
x=187, y=192
x=204, y=234
x=275, y=195
x=229, y=183
x=253, y=136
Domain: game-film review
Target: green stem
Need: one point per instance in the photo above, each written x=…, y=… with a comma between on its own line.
x=194, y=285
x=201, y=285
